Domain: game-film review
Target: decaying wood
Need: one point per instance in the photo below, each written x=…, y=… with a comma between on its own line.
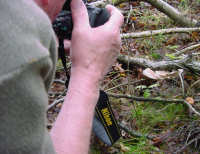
x=159, y=32
x=185, y=63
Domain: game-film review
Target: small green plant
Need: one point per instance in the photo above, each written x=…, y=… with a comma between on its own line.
x=149, y=116
x=138, y=146
x=184, y=3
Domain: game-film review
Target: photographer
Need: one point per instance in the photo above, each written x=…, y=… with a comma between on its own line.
x=28, y=58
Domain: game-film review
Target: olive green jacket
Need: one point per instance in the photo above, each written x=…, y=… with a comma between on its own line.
x=27, y=66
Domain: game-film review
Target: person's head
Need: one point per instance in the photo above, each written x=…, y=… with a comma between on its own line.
x=51, y=7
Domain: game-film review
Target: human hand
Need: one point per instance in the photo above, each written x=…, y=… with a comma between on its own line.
x=93, y=50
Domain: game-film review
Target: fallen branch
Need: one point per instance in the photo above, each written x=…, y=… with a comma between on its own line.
x=191, y=108
x=155, y=100
x=123, y=84
x=134, y=133
x=172, y=13
x=187, y=49
x=186, y=63
x=180, y=73
x=145, y=99
x=158, y=65
x=159, y=32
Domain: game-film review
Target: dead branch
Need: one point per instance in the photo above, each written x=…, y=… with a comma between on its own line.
x=158, y=65
x=134, y=133
x=158, y=32
x=185, y=63
x=172, y=13
x=180, y=73
x=145, y=99
x=187, y=49
x=124, y=84
x=57, y=101
x=191, y=108
x=155, y=100
x=186, y=145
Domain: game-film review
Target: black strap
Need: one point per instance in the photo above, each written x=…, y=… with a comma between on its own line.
x=107, y=119
x=62, y=55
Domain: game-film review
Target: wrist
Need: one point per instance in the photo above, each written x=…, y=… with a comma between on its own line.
x=84, y=83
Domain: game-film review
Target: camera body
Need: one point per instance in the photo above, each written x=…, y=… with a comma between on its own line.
x=63, y=24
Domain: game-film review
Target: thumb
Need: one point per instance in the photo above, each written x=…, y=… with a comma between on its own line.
x=116, y=18
x=79, y=14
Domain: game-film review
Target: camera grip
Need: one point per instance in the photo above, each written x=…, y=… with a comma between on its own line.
x=102, y=18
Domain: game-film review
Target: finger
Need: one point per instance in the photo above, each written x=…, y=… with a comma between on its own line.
x=116, y=18
x=79, y=14
x=67, y=45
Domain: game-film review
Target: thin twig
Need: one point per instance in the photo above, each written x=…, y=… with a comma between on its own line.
x=185, y=146
x=187, y=49
x=144, y=99
x=124, y=84
x=191, y=108
x=59, y=81
x=134, y=133
x=155, y=100
x=55, y=103
x=180, y=73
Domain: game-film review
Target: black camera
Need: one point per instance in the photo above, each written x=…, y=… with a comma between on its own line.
x=63, y=24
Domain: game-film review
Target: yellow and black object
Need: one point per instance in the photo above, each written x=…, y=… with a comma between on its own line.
x=104, y=124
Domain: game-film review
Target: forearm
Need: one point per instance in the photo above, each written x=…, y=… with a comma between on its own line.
x=72, y=129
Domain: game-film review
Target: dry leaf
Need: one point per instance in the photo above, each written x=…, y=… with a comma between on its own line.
x=190, y=100
x=159, y=75
x=195, y=36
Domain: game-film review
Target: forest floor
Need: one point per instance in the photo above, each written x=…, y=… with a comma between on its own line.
x=172, y=126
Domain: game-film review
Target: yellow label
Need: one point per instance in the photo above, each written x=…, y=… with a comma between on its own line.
x=106, y=115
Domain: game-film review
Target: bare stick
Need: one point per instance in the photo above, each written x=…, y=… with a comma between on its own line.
x=180, y=73
x=145, y=63
x=145, y=99
x=159, y=32
x=185, y=63
x=191, y=108
x=123, y=84
x=155, y=100
x=134, y=133
x=183, y=148
x=55, y=103
x=187, y=49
